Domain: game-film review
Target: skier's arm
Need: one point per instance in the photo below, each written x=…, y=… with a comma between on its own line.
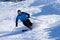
x=16, y=21
x=28, y=15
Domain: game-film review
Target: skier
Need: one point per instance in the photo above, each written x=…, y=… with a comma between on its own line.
x=24, y=17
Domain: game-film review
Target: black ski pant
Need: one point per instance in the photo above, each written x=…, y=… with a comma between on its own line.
x=27, y=23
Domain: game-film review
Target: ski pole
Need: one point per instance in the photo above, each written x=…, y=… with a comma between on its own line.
x=13, y=29
x=35, y=18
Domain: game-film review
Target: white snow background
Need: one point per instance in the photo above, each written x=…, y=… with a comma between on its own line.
x=43, y=21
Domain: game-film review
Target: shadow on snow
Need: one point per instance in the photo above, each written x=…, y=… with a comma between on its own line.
x=18, y=30
x=48, y=10
x=55, y=32
x=15, y=32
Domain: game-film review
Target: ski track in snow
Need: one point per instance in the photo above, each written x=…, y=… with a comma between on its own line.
x=40, y=27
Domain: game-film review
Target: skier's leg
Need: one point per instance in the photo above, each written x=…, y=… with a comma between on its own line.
x=27, y=24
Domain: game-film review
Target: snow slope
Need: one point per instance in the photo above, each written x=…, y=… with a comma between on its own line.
x=42, y=23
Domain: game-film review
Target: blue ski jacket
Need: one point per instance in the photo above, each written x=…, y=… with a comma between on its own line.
x=23, y=17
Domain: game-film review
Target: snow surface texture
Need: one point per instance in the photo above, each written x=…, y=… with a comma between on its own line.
x=45, y=16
